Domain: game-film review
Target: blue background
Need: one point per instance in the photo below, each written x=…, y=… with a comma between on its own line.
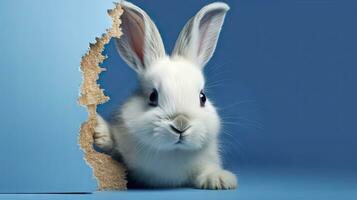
x=283, y=76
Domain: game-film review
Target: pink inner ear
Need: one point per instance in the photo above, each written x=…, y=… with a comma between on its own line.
x=135, y=27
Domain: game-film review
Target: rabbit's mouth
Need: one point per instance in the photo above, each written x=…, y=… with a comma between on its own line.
x=182, y=134
x=173, y=137
x=180, y=140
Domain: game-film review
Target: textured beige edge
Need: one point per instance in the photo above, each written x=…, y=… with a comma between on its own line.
x=110, y=174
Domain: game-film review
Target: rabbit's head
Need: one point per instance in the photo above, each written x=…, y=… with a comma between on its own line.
x=171, y=110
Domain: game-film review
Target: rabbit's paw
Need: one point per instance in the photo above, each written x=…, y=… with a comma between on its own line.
x=102, y=138
x=217, y=180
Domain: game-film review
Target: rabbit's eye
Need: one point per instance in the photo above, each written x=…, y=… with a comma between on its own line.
x=154, y=97
x=202, y=98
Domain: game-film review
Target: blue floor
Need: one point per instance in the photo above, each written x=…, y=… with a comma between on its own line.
x=254, y=184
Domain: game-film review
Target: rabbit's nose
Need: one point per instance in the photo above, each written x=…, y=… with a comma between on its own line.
x=180, y=124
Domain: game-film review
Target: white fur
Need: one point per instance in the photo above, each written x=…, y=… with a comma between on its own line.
x=141, y=133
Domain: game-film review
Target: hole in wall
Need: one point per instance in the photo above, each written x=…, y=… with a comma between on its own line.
x=109, y=173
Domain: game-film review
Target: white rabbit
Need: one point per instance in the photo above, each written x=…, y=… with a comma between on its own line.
x=167, y=132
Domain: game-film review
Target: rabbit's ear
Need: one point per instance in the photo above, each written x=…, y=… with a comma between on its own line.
x=198, y=39
x=141, y=43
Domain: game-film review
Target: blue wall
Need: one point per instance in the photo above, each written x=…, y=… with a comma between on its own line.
x=42, y=43
x=283, y=76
